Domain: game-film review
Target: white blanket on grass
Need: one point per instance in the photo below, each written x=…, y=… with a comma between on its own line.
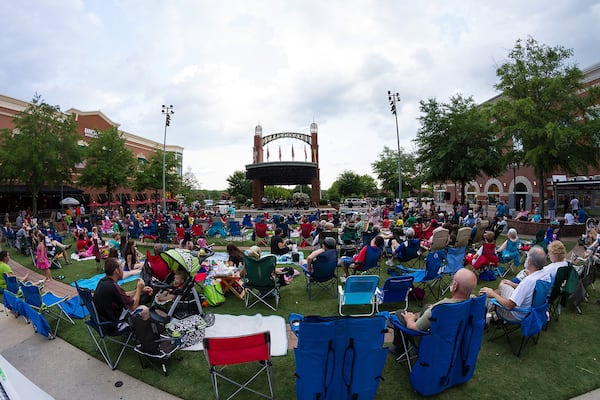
x=240, y=325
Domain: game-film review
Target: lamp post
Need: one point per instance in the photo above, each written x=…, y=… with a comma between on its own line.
x=515, y=165
x=167, y=111
x=393, y=98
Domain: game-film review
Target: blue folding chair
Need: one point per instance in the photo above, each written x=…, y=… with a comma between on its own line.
x=359, y=290
x=235, y=229
x=446, y=354
x=372, y=258
x=47, y=303
x=531, y=325
x=217, y=228
x=395, y=290
x=339, y=357
x=103, y=332
x=323, y=274
x=430, y=276
x=455, y=260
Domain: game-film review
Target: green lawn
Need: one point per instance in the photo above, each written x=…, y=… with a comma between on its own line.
x=565, y=363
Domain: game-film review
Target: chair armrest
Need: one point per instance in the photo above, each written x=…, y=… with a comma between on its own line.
x=340, y=290
x=395, y=321
x=516, y=309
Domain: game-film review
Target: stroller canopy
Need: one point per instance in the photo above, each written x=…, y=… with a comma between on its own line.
x=180, y=258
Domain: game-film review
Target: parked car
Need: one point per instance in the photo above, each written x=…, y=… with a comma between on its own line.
x=354, y=202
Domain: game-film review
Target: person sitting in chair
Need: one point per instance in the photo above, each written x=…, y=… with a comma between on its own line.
x=463, y=283
x=327, y=251
x=511, y=295
x=358, y=260
x=401, y=250
x=279, y=245
x=111, y=301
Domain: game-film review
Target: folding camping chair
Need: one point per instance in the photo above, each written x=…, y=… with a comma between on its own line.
x=439, y=239
x=395, y=290
x=305, y=233
x=463, y=236
x=47, y=303
x=235, y=230
x=531, y=325
x=260, y=233
x=227, y=352
x=323, y=275
x=217, y=228
x=359, y=290
x=152, y=345
x=371, y=261
x=412, y=256
x=101, y=332
x=430, y=276
x=339, y=357
x=449, y=350
x=260, y=281
x=564, y=286
x=455, y=260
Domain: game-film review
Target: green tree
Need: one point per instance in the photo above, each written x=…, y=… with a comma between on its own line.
x=456, y=142
x=109, y=163
x=547, y=110
x=190, y=187
x=350, y=184
x=277, y=193
x=386, y=169
x=150, y=174
x=239, y=186
x=42, y=150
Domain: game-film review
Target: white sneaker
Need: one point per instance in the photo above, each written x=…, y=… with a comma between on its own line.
x=342, y=279
x=488, y=318
x=389, y=263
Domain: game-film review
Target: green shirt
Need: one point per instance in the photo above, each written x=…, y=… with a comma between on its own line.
x=4, y=269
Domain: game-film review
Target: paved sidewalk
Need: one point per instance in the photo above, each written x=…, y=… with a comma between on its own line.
x=64, y=371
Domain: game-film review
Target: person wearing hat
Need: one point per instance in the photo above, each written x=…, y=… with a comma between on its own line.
x=326, y=253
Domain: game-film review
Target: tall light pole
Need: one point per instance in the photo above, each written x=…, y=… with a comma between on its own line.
x=167, y=111
x=393, y=98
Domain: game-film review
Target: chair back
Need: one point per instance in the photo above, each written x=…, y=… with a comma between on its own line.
x=323, y=235
x=350, y=234
x=371, y=258
x=247, y=221
x=261, y=230
x=411, y=251
x=366, y=237
x=463, y=236
x=12, y=285
x=324, y=266
x=439, y=239
x=535, y=321
x=455, y=259
x=87, y=301
x=450, y=350
x=197, y=230
x=32, y=295
x=217, y=224
x=433, y=263
x=305, y=230
x=237, y=350
x=259, y=273
x=359, y=289
x=396, y=289
x=235, y=228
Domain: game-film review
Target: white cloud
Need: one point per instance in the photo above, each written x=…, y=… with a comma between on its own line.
x=227, y=66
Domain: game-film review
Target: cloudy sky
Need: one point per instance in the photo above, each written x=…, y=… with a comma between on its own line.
x=228, y=65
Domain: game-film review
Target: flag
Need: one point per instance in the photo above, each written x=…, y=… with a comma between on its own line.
x=279, y=152
x=292, y=152
x=267, y=153
x=305, y=156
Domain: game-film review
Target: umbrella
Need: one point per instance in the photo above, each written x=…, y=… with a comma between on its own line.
x=69, y=201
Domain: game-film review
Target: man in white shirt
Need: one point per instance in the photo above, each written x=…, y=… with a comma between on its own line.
x=574, y=205
x=511, y=295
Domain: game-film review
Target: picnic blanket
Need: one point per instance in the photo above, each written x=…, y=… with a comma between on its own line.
x=91, y=283
x=238, y=325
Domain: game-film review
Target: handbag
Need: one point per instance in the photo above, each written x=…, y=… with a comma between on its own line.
x=214, y=295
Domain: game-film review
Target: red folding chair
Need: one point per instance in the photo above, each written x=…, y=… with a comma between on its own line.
x=180, y=233
x=260, y=231
x=223, y=352
x=305, y=233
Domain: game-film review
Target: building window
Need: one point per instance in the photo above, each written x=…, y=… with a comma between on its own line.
x=493, y=194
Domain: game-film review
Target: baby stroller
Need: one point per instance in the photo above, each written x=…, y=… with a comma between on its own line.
x=162, y=268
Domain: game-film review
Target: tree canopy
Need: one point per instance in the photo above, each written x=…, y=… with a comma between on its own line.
x=149, y=174
x=350, y=184
x=41, y=150
x=109, y=163
x=457, y=142
x=545, y=108
x=239, y=187
x=386, y=169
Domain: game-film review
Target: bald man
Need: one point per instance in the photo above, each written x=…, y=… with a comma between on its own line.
x=463, y=283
